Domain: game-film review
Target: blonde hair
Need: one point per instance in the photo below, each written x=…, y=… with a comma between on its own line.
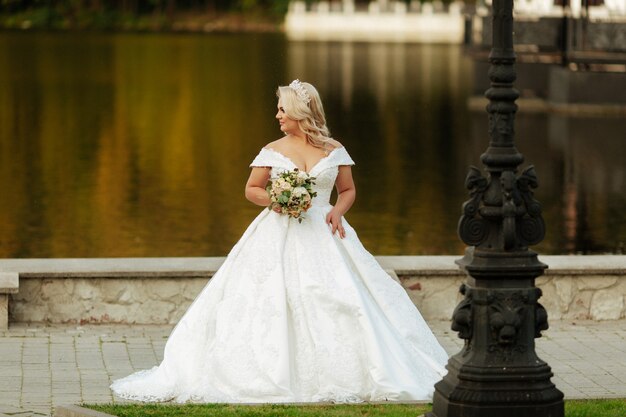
x=310, y=117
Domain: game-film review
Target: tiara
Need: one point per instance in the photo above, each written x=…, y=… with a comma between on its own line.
x=298, y=87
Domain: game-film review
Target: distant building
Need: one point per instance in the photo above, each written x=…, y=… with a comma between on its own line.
x=379, y=21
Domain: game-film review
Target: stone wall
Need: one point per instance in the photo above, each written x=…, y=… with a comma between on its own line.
x=565, y=297
x=596, y=297
x=104, y=300
x=160, y=290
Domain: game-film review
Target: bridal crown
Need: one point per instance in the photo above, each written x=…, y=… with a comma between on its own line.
x=301, y=92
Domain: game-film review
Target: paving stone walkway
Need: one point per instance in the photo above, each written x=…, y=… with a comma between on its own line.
x=45, y=366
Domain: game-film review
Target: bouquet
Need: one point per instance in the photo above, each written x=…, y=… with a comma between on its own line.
x=291, y=191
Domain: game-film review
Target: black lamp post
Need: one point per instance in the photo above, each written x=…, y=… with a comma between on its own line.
x=498, y=373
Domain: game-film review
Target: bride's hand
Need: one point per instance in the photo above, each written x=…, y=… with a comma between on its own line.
x=333, y=218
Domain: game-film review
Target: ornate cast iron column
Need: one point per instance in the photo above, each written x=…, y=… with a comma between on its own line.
x=498, y=373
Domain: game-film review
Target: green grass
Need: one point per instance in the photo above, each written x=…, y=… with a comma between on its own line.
x=596, y=408
x=269, y=410
x=587, y=408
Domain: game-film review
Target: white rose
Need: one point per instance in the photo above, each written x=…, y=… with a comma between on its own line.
x=281, y=185
x=302, y=175
x=299, y=192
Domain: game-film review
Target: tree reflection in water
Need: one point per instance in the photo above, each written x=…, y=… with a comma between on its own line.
x=138, y=145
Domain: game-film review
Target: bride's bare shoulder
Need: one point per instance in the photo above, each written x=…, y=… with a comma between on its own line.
x=275, y=145
x=335, y=143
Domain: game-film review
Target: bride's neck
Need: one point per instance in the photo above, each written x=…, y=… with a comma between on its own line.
x=297, y=138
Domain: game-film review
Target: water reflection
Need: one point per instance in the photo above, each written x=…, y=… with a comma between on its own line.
x=130, y=145
x=593, y=180
x=582, y=178
x=138, y=145
x=403, y=119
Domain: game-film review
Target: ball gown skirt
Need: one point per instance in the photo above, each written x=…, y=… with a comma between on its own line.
x=296, y=314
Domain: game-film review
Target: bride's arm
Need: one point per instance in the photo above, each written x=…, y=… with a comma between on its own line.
x=255, y=187
x=346, y=193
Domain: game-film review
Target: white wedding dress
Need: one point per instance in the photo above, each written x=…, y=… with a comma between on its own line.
x=296, y=314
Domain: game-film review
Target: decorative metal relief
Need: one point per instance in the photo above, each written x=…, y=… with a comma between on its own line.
x=509, y=208
x=500, y=125
x=506, y=312
x=522, y=224
x=473, y=229
x=505, y=320
x=541, y=315
x=530, y=229
x=462, y=315
x=541, y=319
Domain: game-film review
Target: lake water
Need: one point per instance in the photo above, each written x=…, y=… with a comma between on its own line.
x=138, y=145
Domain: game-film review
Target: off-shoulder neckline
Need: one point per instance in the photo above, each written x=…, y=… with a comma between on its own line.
x=296, y=166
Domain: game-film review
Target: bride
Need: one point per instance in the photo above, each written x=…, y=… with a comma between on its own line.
x=299, y=311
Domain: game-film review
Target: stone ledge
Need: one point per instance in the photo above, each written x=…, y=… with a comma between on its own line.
x=112, y=267
x=9, y=282
x=206, y=267
x=585, y=264
x=557, y=264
